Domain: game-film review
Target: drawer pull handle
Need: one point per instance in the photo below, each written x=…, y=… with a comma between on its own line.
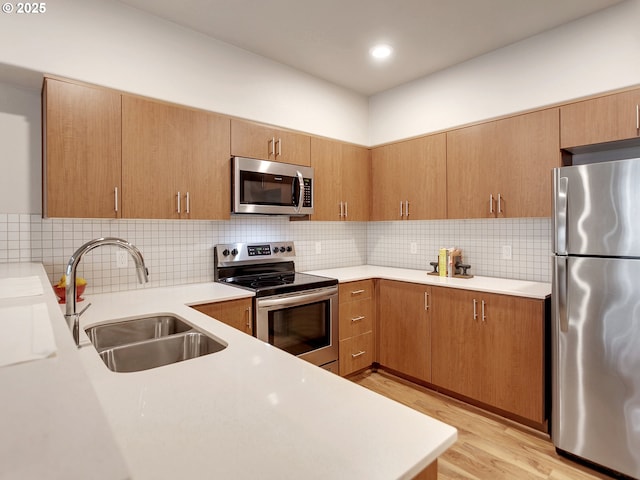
x=357, y=319
x=357, y=292
x=359, y=354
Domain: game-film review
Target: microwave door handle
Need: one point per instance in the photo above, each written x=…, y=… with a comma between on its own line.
x=300, y=191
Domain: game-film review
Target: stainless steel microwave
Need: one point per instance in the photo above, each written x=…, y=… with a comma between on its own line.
x=270, y=188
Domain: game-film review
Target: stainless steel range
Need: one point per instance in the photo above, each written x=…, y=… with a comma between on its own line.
x=293, y=311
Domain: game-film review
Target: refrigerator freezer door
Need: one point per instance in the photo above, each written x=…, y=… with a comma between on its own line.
x=596, y=361
x=597, y=209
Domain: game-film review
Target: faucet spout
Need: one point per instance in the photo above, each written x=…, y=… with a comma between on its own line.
x=71, y=315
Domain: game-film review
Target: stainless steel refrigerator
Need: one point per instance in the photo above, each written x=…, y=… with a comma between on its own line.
x=596, y=314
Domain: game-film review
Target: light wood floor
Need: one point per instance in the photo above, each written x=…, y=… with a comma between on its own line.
x=488, y=446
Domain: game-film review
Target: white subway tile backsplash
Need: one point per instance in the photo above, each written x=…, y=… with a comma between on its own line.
x=178, y=252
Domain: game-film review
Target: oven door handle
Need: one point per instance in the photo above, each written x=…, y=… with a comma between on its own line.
x=296, y=299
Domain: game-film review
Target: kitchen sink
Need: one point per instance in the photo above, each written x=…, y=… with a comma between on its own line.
x=150, y=342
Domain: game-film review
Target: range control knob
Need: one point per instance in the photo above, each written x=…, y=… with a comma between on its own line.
x=281, y=249
x=289, y=249
x=225, y=252
x=234, y=252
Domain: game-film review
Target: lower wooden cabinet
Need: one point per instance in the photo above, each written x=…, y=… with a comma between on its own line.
x=486, y=348
x=235, y=313
x=490, y=348
x=356, y=325
x=404, y=328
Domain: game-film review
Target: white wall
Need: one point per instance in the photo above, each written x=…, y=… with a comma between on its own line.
x=597, y=53
x=110, y=44
x=20, y=150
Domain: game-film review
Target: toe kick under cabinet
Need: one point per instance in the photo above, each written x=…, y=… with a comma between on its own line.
x=356, y=326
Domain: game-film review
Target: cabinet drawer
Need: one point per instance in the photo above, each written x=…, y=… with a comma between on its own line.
x=355, y=290
x=356, y=318
x=356, y=353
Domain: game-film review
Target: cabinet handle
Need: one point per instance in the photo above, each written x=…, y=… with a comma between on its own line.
x=346, y=209
x=279, y=142
x=272, y=146
x=426, y=300
x=407, y=208
x=247, y=315
x=484, y=317
x=357, y=292
x=116, y=198
x=178, y=197
x=499, y=203
x=401, y=211
x=341, y=210
x=357, y=319
x=638, y=119
x=491, y=203
x=359, y=354
x=475, y=309
x=188, y=208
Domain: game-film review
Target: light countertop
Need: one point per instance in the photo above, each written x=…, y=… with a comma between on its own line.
x=250, y=410
x=52, y=425
x=520, y=288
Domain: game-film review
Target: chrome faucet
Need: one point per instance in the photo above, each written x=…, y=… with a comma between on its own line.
x=72, y=317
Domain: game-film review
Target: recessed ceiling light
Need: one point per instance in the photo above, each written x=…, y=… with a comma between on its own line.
x=381, y=51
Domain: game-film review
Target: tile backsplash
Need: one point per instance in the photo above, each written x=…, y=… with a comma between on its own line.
x=179, y=252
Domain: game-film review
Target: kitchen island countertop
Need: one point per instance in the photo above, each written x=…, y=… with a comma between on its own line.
x=250, y=410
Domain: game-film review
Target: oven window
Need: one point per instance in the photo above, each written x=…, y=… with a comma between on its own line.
x=267, y=189
x=301, y=329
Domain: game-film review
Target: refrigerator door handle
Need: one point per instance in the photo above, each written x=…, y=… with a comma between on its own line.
x=560, y=282
x=560, y=188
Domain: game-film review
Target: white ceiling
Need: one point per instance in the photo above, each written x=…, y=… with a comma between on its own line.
x=330, y=39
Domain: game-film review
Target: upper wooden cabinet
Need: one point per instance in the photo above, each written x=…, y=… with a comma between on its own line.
x=81, y=161
x=503, y=168
x=175, y=161
x=603, y=119
x=342, y=180
x=409, y=180
x=269, y=143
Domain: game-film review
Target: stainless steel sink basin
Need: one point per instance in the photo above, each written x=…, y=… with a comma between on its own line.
x=136, y=330
x=150, y=342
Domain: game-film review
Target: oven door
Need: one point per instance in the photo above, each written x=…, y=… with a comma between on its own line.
x=304, y=324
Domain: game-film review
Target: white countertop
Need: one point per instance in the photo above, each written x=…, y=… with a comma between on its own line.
x=51, y=423
x=503, y=286
x=251, y=410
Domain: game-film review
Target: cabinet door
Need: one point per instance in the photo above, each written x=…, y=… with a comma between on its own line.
x=423, y=162
x=513, y=331
x=235, y=313
x=267, y=143
x=386, y=184
x=356, y=182
x=456, y=342
x=404, y=328
x=153, y=144
x=326, y=158
x=82, y=164
x=206, y=176
x=528, y=150
x=603, y=119
x=471, y=176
